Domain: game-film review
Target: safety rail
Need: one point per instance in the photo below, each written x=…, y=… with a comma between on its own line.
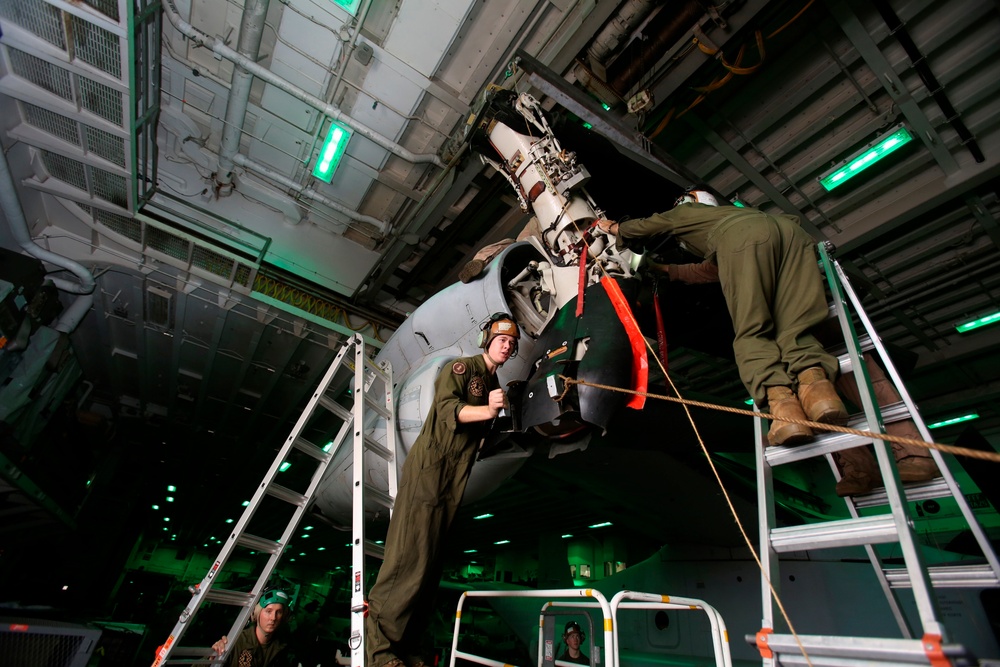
x=720, y=634
x=595, y=595
x=593, y=599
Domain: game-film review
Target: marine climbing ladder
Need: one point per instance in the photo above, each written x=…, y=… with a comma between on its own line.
x=369, y=385
x=879, y=517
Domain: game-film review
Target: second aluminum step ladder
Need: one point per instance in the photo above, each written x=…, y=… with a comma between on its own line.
x=371, y=387
x=894, y=526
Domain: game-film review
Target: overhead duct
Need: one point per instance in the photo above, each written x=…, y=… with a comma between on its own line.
x=251, y=29
x=11, y=206
x=640, y=56
x=220, y=49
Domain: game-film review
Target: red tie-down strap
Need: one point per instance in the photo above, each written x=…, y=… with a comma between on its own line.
x=640, y=364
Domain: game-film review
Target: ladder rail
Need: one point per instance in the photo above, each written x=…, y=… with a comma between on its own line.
x=352, y=425
x=920, y=580
x=974, y=526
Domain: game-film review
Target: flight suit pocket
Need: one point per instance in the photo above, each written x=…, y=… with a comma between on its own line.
x=746, y=233
x=433, y=479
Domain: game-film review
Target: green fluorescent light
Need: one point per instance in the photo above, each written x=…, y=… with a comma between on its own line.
x=303, y=553
x=156, y=507
x=588, y=126
x=749, y=401
x=854, y=165
x=245, y=503
x=349, y=5
x=483, y=516
x=229, y=520
x=567, y=535
x=502, y=542
x=607, y=107
x=321, y=549
x=308, y=528
x=333, y=149
x=328, y=446
x=470, y=551
x=170, y=499
x=600, y=525
x=304, y=535
x=738, y=204
x=379, y=541
x=165, y=528
x=978, y=322
x=166, y=518
x=955, y=420
x=171, y=488
x=284, y=466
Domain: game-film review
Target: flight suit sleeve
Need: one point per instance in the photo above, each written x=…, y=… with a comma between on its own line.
x=632, y=230
x=450, y=393
x=694, y=274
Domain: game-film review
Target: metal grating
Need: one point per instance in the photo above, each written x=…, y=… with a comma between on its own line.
x=51, y=122
x=99, y=47
x=101, y=100
x=43, y=74
x=39, y=649
x=130, y=228
x=65, y=169
x=110, y=187
x=168, y=244
x=105, y=144
x=37, y=17
x=212, y=262
x=107, y=7
x=243, y=275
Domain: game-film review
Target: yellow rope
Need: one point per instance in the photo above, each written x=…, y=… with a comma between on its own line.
x=949, y=449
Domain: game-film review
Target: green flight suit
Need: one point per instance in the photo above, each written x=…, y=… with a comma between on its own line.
x=430, y=490
x=767, y=268
x=246, y=651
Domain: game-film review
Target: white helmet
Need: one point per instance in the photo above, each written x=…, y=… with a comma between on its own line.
x=697, y=196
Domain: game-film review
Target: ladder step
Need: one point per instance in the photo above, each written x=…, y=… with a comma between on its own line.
x=371, y=366
x=286, y=494
x=258, y=543
x=831, y=442
x=829, y=534
x=915, y=492
x=234, y=598
x=336, y=408
x=310, y=449
x=830, y=650
x=374, y=405
x=948, y=576
x=377, y=449
x=378, y=495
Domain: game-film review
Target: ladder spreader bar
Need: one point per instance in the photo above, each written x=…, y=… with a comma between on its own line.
x=829, y=534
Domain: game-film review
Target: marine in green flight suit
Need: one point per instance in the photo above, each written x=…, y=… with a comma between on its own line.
x=768, y=273
x=467, y=400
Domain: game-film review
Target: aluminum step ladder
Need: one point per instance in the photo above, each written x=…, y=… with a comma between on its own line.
x=370, y=387
x=892, y=526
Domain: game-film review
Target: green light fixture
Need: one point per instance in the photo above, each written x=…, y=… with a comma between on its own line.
x=604, y=524
x=954, y=420
x=502, y=542
x=978, y=322
x=866, y=157
x=483, y=516
x=285, y=465
x=333, y=149
x=567, y=535
x=470, y=551
x=171, y=488
x=328, y=446
x=349, y=5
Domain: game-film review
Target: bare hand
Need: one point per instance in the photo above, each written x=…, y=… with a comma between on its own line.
x=605, y=225
x=220, y=646
x=496, y=403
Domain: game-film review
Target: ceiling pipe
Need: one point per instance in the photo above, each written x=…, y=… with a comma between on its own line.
x=251, y=30
x=11, y=206
x=221, y=50
x=628, y=17
x=309, y=193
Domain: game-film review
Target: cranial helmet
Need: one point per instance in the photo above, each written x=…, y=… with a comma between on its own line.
x=697, y=196
x=571, y=627
x=274, y=596
x=498, y=324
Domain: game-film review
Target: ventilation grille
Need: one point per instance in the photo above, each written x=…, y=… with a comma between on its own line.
x=100, y=143
x=212, y=262
x=167, y=243
x=65, y=169
x=51, y=122
x=101, y=100
x=110, y=187
x=43, y=74
x=130, y=228
x=36, y=17
x=39, y=649
x=97, y=46
x=107, y=7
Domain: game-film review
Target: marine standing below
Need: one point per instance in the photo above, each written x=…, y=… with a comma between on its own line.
x=265, y=642
x=768, y=270
x=467, y=400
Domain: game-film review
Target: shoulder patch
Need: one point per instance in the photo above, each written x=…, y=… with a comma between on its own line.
x=458, y=368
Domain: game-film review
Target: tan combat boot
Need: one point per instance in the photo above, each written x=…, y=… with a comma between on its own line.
x=913, y=463
x=859, y=471
x=819, y=398
x=781, y=403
